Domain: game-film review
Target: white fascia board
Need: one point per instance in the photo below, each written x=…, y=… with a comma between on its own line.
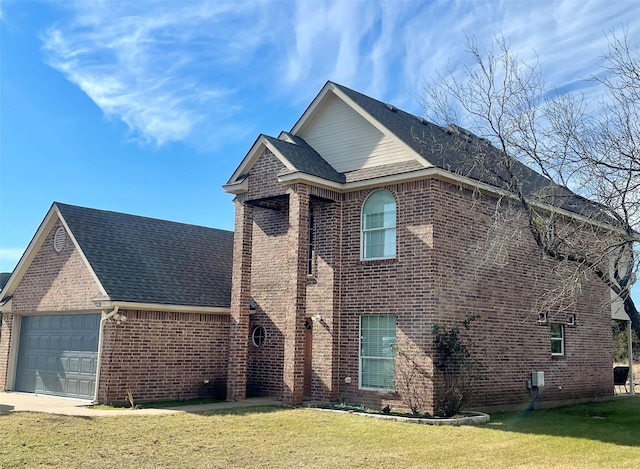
x=162, y=307
x=237, y=187
x=309, y=113
x=253, y=155
x=286, y=137
x=431, y=172
x=6, y=307
x=34, y=246
x=31, y=251
x=84, y=258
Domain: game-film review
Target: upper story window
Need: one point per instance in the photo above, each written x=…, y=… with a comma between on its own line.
x=379, y=226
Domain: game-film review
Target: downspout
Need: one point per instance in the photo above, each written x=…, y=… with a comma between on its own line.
x=632, y=389
x=105, y=318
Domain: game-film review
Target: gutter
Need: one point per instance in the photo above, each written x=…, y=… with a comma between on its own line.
x=105, y=318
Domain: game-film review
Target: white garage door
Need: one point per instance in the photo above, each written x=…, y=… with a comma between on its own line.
x=58, y=354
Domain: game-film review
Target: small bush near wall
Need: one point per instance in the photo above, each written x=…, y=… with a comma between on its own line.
x=457, y=369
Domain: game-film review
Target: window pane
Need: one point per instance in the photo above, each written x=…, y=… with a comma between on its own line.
x=378, y=225
x=378, y=335
x=390, y=243
x=557, y=339
x=374, y=243
x=377, y=373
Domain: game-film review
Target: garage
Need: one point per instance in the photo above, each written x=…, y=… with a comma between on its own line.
x=58, y=354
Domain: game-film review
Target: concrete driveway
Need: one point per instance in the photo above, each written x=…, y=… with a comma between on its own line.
x=24, y=402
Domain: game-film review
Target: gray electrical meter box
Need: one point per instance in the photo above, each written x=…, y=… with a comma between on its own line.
x=537, y=379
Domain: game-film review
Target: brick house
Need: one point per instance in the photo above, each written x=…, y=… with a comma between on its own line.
x=361, y=227
x=357, y=229
x=130, y=303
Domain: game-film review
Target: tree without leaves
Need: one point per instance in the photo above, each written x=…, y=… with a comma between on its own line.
x=587, y=152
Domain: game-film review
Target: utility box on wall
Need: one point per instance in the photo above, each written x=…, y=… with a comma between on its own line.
x=537, y=379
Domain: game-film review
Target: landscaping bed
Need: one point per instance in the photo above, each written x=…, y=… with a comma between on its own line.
x=464, y=418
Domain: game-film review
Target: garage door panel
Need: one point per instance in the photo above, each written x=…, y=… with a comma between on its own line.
x=58, y=354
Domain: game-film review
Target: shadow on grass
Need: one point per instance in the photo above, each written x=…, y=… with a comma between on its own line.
x=267, y=409
x=616, y=421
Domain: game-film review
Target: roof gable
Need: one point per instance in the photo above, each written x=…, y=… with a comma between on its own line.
x=423, y=149
x=293, y=152
x=143, y=260
x=51, y=218
x=146, y=260
x=347, y=139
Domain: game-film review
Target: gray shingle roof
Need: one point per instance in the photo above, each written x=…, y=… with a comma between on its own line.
x=459, y=151
x=305, y=159
x=146, y=260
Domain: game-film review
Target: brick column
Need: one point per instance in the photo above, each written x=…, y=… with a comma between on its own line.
x=240, y=295
x=5, y=344
x=293, y=375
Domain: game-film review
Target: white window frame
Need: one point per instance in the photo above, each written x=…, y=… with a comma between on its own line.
x=362, y=357
x=255, y=334
x=557, y=339
x=364, y=231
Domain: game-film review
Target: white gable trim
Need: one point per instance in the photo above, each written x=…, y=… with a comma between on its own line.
x=254, y=153
x=53, y=215
x=317, y=105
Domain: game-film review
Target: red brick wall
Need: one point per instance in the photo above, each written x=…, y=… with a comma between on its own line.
x=506, y=294
x=56, y=281
x=5, y=342
x=440, y=276
x=270, y=288
x=400, y=286
x=265, y=250
x=240, y=298
x=322, y=286
x=280, y=286
x=164, y=356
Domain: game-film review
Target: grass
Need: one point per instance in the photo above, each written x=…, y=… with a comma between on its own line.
x=586, y=436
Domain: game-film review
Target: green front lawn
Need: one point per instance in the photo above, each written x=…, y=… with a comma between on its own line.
x=586, y=436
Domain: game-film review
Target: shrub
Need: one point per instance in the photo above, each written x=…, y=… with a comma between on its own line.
x=456, y=367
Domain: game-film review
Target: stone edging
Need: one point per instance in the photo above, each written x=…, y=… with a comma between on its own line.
x=469, y=418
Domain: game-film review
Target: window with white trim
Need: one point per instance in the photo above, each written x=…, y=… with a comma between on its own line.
x=557, y=339
x=379, y=226
x=377, y=361
x=258, y=336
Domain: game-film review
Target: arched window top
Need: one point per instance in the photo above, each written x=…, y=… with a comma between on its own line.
x=379, y=226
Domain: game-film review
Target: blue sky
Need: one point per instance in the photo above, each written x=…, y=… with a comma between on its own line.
x=147, y=107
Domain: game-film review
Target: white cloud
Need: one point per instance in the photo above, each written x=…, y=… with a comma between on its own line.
x=160, y=67
x=179, y=71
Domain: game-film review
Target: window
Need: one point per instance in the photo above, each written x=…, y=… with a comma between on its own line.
x=377, y=363
x=258, y=336
x=311, y=247
x=379, y=226
x=557, y=339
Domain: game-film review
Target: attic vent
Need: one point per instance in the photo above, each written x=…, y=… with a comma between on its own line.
x=422, y=120
x=59, y=239
x=391, y=107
